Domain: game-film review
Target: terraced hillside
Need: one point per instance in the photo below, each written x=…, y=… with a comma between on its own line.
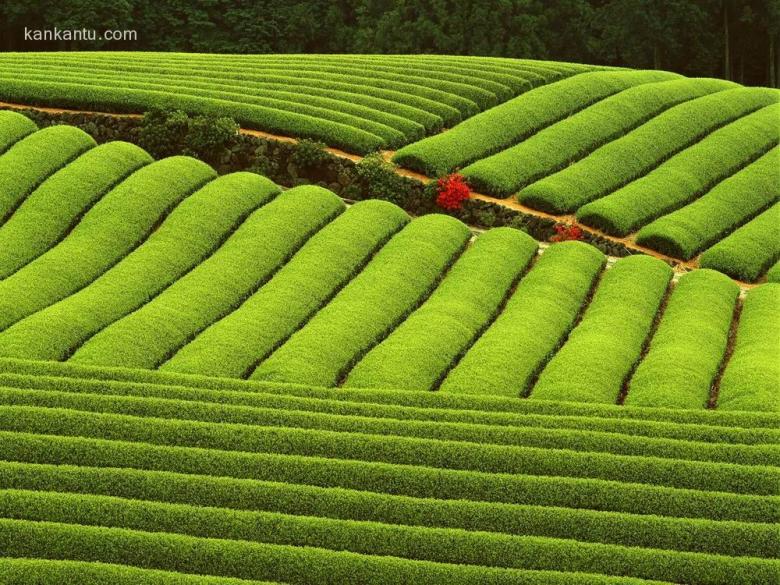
x=162, y=265
x=211, y=380
x=685, y=167
x=132, y=476
x=359, y=103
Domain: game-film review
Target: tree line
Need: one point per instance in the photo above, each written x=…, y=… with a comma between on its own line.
x=734, y=39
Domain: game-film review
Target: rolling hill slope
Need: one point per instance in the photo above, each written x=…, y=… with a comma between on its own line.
x=162, y=265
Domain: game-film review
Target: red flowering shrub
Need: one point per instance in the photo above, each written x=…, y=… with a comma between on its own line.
x=451, y=191
x=565, y=232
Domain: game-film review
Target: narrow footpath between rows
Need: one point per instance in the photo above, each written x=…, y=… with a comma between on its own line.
x=679, y=266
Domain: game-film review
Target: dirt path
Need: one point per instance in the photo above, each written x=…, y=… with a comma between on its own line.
x=629, y=242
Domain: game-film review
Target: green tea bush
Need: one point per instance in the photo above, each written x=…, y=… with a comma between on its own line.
x=748, y=252
x=401, y=276
x=424, y=347
x=202, y=222
x=686, y=176
x=31, y=160
x=263, y=243
x=424, y=481
x=14, y=127
x=111, y=229
x=660, y=532
x=624, y=160
x=686, y=351
x=574, y=137
x=602, y=349
x=234, y=345
x=507, y=357
x=511, y=122
x=51, y=210
x=729, y=204
x=751, y=380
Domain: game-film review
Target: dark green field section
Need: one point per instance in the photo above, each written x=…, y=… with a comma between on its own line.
x=360, y=103
x=136, y=476
x=162, y=265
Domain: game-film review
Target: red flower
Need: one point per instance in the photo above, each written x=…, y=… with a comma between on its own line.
x=451, y=191
x=565, y=232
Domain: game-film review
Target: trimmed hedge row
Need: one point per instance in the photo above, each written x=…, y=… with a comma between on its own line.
x=15, y=389
x=597, y=358
x=484, y=94
x=14, y=127
x=751, y=380
x=728, y=205
x=391, y=128
x=542, y=309
x=409, y=480
x=458, y=98
x=688, y=348
x=376, y=96
x=404, y=96
x=513, y=121
x=49, y=212
x=684, y=534
x=623, y=160
x=418, y=354
x=485, y=407
x=749, y=251
x=261, y=444
x=574, y=137
x=193, y=231
x=65, y=94
x=245, y=261
x=111, y=229
x=442, y=545
x=234, y=345
x=32, y=159
x=484, y=88
x=773, y=275
x=686, y=176
x=392, y=285
x=54, y=572
x=399, y=116
x=290, y=564
x=595, y=440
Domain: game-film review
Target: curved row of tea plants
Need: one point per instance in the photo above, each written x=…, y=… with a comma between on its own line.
x=687, y=176
x=201, y=489
x=749, y=251
x=512, y=122
x=573, y=138
x=728, y=205
x=173, y=268
x=359, y=103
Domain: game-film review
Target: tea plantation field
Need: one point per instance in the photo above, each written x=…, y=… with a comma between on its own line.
x=213, y=380
x=360, y=103
x=687, y=167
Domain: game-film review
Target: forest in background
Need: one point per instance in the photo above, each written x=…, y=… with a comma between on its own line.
x=734, y=39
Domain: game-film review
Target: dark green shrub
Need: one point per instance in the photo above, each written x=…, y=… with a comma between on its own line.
x=309, y=153
x=163, y=132
x=379, y=180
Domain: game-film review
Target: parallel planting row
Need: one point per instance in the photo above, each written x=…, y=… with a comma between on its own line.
x=162, y=265
x=190, y=479
x=359, y=103
x=690, y=164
